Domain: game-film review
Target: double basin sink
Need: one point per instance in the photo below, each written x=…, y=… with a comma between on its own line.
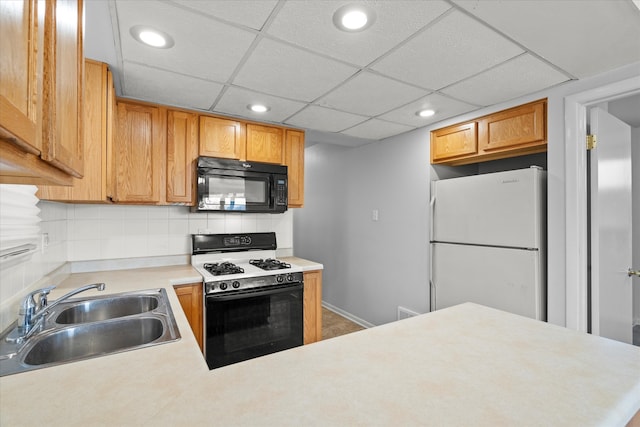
x=83, y=328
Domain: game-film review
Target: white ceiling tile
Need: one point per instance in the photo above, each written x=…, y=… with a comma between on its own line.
x=235, y=101
x=325, y=119
x=203, y=47
x=290, y=72
x=583, y=38
x=377, y=129
x=450, y=50
x=168, y=88
x=371, y=94
x=443, y=106
x=517, y=77
x=250, y=13
x=310, y=24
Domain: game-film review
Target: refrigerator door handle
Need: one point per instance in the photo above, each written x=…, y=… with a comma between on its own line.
x=432, y=210
x=432, y=296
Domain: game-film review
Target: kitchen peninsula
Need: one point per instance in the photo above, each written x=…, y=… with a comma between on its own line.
x=465, y=365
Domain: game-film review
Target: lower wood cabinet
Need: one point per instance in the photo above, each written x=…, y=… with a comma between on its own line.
x=190, y=297
x=312, y=306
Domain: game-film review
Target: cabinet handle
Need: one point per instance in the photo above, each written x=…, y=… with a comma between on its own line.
x=632, y=272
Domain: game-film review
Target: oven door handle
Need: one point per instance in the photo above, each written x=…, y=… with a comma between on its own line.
x=259, y=293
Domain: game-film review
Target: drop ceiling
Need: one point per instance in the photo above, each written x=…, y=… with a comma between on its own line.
x=450, y=56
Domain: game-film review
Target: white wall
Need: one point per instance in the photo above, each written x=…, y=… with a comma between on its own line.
x=635, y=183
x=370, y=266
x=362, y=294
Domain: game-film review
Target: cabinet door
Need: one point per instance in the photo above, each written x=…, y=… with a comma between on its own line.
x=514, y=128
x=454, y=141
x=63, y=86
x=20, y=73
x=222, y=138
x=190, y=297
x=312, y=307
x=92, y=187
x=294, y=159
x=182, y=152
x=139, y=153
x=265, y=144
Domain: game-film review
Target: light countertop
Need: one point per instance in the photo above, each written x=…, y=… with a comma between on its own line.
x=465, y=365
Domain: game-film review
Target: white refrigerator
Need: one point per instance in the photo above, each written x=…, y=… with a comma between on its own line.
x=488, y=241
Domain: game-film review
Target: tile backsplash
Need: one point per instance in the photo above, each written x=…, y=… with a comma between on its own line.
x=80, y=233
x=97, y=232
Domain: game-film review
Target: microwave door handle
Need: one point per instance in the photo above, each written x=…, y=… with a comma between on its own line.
x=272, y=192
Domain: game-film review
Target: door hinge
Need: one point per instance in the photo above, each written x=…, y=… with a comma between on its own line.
x=591, y=142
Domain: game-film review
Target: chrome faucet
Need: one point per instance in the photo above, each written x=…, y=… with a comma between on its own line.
x=30, y=312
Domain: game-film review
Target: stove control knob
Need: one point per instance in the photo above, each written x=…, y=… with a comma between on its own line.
x=223, y=286
x=280, y=279
x=289, y=277
x=236, y=284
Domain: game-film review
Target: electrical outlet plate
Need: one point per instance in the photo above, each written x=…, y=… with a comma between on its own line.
x=45, y=242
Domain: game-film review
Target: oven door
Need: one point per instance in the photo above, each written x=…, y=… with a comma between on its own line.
x=241, y=326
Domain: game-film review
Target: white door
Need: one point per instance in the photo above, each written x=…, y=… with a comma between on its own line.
x=611, y=237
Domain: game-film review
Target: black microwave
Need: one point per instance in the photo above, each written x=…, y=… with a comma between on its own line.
x=237, y=186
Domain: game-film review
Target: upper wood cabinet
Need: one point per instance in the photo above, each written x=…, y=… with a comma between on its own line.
x=21, y=40
x=454, y=141
x=62, y=144
x=98, y=110
x=294, y=159
x=41, y=78
x=514, y=132
x=139, y=154
x=519, y=127
x=182, y=154
x=265, y=144
x=222, y=138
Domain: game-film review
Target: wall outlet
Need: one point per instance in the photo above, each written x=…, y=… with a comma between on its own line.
x=45, y=242
x=374, y=215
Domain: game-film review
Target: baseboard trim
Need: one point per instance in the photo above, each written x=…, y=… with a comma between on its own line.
x=347, y=315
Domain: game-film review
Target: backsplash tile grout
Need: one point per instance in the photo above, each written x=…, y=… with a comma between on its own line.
x=102, y=234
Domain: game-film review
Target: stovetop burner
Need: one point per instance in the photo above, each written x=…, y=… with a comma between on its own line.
x=222, y=268
x=269, y=264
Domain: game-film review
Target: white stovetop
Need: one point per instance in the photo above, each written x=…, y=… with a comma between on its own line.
x=241, y=259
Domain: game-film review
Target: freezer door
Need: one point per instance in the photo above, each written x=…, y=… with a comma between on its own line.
x=507, y=279
x=501, y=209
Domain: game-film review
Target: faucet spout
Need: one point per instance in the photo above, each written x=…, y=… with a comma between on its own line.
x=44, y=306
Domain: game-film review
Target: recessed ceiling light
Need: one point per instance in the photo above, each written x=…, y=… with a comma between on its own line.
x=258, y=108
x=151, y=37
x=425, y=113
x=353, y=17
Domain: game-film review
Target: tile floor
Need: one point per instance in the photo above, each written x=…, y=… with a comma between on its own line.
x=334, y=325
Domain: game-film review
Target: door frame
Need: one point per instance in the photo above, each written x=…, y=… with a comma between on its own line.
x=575, y=131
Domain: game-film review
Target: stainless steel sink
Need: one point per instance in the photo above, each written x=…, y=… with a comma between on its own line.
x=93, y=310
x=91, y=327
x=93, y=339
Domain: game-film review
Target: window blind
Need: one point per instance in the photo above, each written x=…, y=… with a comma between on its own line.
x=19, y=222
